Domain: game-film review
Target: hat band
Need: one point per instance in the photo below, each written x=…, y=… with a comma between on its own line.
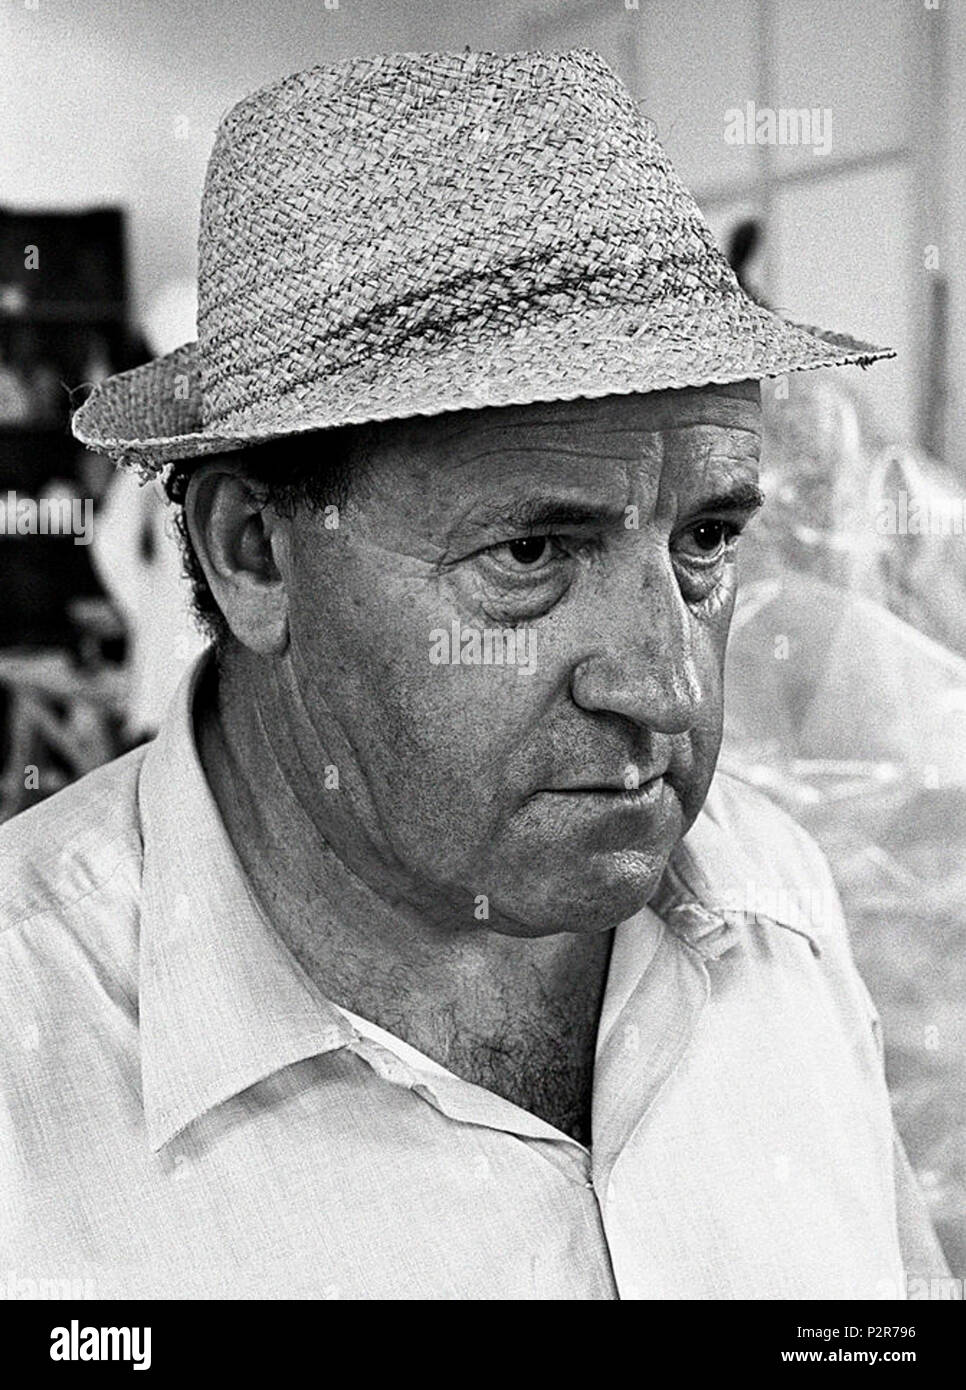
x=521, y=290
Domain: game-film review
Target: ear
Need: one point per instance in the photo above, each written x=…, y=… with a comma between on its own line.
x=241, y=546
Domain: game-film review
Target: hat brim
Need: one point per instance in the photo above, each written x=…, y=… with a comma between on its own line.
x=152, y=416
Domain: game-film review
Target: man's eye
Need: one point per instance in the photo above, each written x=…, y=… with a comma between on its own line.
x=528, y=550
x=525, y=553
x=708, y=538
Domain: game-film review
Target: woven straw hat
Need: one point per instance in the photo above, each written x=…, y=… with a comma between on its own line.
x=411, y=234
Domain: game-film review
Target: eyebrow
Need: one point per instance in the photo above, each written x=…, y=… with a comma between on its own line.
x=536, y=513
x=743, y=497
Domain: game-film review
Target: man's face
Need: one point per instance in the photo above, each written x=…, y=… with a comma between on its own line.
x=543, y=794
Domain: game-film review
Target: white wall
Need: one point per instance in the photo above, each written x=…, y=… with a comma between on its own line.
x=117, y=100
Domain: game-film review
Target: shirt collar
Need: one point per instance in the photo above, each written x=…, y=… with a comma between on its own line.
x=719, y=879
x=224, y=1003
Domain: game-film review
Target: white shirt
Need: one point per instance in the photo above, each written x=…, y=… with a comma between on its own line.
x=183, y=1115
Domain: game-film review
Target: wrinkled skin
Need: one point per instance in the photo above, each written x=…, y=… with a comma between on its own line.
x=457, y=782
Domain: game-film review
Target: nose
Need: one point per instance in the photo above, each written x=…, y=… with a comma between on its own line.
x=643, y=665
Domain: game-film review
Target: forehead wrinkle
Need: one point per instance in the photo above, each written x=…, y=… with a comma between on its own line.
x=465, y=438
x=517, y=439
x=707, y=443
x=637, y=466
x=726, y=426
x=517, y=451
x=642, y=443
x=713, y=473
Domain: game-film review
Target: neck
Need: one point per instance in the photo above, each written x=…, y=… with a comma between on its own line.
x=368, y=938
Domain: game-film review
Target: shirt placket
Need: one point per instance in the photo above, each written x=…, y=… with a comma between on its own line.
x=637, y=1060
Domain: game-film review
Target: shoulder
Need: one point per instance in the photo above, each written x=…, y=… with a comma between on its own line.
x=765, y=832
x=781, y=852
x=70, y=873
x=784, y=873
x=69, y=845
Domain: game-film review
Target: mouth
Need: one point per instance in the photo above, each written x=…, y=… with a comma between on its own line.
x=645, y=796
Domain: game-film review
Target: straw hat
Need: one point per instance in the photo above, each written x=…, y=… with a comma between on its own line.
x=411, y=234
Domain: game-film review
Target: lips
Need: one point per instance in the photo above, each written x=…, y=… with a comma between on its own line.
x=620, y=788
x=622, y=815
x=597, y=801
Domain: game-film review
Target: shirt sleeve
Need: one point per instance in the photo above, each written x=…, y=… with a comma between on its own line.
x=802, y=858
x=922, y=1255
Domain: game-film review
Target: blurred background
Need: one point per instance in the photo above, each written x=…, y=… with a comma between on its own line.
x=847, y=673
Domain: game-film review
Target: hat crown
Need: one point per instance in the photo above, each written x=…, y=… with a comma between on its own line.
x=407, y=194
x=419, y=233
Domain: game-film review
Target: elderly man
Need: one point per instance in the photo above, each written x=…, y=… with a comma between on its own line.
x=413, y=960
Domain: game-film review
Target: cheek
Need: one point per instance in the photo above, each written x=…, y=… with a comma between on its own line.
x=430, y=742
x=704, y=738
x=711, y=625
x=439, y=765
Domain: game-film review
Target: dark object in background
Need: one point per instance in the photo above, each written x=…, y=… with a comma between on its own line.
x=63, y=326
x=80, y=273
x=39, y=574
x=743, y=241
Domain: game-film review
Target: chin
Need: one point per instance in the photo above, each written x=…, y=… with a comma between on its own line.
x=610, y=888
